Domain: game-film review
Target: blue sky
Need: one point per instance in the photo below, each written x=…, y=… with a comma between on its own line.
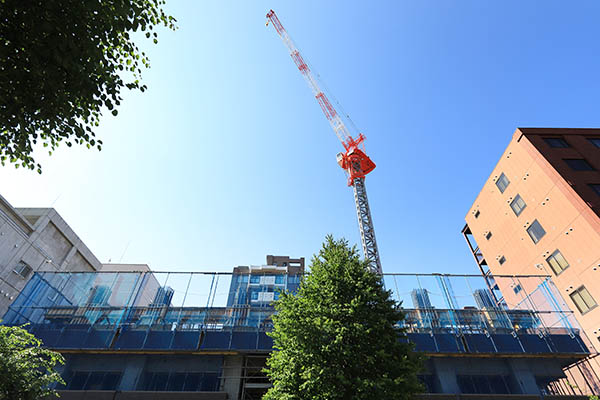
x=227, y=157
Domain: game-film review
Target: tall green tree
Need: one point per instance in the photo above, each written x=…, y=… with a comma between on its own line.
x=61, y=62
x=26, y=369
x=337, y=338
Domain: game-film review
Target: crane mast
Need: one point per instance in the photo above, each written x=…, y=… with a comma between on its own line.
x=353, y=160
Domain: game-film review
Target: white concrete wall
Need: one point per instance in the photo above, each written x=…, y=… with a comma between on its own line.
x=43, y=240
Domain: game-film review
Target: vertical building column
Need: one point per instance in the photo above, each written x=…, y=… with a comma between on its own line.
x=132, y=372
x=523, y=375
x=445, y=369
x=232, y=376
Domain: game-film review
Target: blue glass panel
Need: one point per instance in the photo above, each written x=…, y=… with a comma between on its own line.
x=534, y=344
x=216, y=340
x=507, y=343
x=130, y=339
x=479, y=343
x=186, y=340
x=422, y=341
x=448, y=343
x=264, y=341
x=244, y=340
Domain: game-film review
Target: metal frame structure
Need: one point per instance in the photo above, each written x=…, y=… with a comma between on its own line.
x=354, y=160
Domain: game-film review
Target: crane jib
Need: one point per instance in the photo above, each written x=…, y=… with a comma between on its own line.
x=354, y=160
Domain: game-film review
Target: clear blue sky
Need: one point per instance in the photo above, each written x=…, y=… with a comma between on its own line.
x=227, y=157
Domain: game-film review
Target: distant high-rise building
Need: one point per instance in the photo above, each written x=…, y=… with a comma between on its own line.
x=484, y=299
x=420, y=298
x=260, y=285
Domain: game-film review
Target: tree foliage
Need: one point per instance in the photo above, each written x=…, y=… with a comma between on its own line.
x=61, y=62
x=26, y=369
x=337, y=338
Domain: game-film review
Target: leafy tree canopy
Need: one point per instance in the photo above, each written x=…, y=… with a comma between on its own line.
x=337, y=338
x=26, y=370
x=61, y=61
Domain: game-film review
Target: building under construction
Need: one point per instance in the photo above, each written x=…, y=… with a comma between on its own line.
x=169, y=335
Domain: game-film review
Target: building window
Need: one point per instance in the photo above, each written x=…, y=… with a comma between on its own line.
x=557, y=262
x=595, y=187
x=502, y=260
x=483, y=384
x=583, y=300
x=94, y=380
x=180, y=381
x=595, y=141
x=502, y=182
x=517, y=288
x=556, y=142
x=280, y=279
x=535, y=231
x=255, y=279
x=578, y=164
x=477, y=214
x=23, y=269
x=488, y=235
x=518, y=205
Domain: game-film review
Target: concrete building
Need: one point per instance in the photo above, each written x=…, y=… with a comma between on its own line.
x=539, y=213
x=36, y=239
x=185, y=341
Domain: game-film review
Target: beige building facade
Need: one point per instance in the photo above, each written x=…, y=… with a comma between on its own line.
x=539, y=213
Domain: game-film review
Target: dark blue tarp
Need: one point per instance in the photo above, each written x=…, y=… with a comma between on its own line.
x=423, y=342
x=158, y=340
x=244, y=340
x=216, y=341
x=567, y=344
x=506, y=343
x=479, y=343
x=130, y=339
x=448, y=343
x=534, y=344
x=187, y=340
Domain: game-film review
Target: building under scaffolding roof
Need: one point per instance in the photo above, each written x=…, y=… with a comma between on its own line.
x=165, y=333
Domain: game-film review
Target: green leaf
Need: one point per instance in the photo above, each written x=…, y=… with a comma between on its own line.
x=71, y=69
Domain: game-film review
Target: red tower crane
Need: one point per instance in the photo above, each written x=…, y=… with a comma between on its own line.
x=353, y=160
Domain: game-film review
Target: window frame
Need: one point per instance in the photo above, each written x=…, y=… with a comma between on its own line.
x=585, y=163
x=529, y=229
x=23, y=266
x=498, y=184
x=578, y=292
x=594, y=141
x=518, y=288
x=562, y=141
x=553, y=257
x=518, y=197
